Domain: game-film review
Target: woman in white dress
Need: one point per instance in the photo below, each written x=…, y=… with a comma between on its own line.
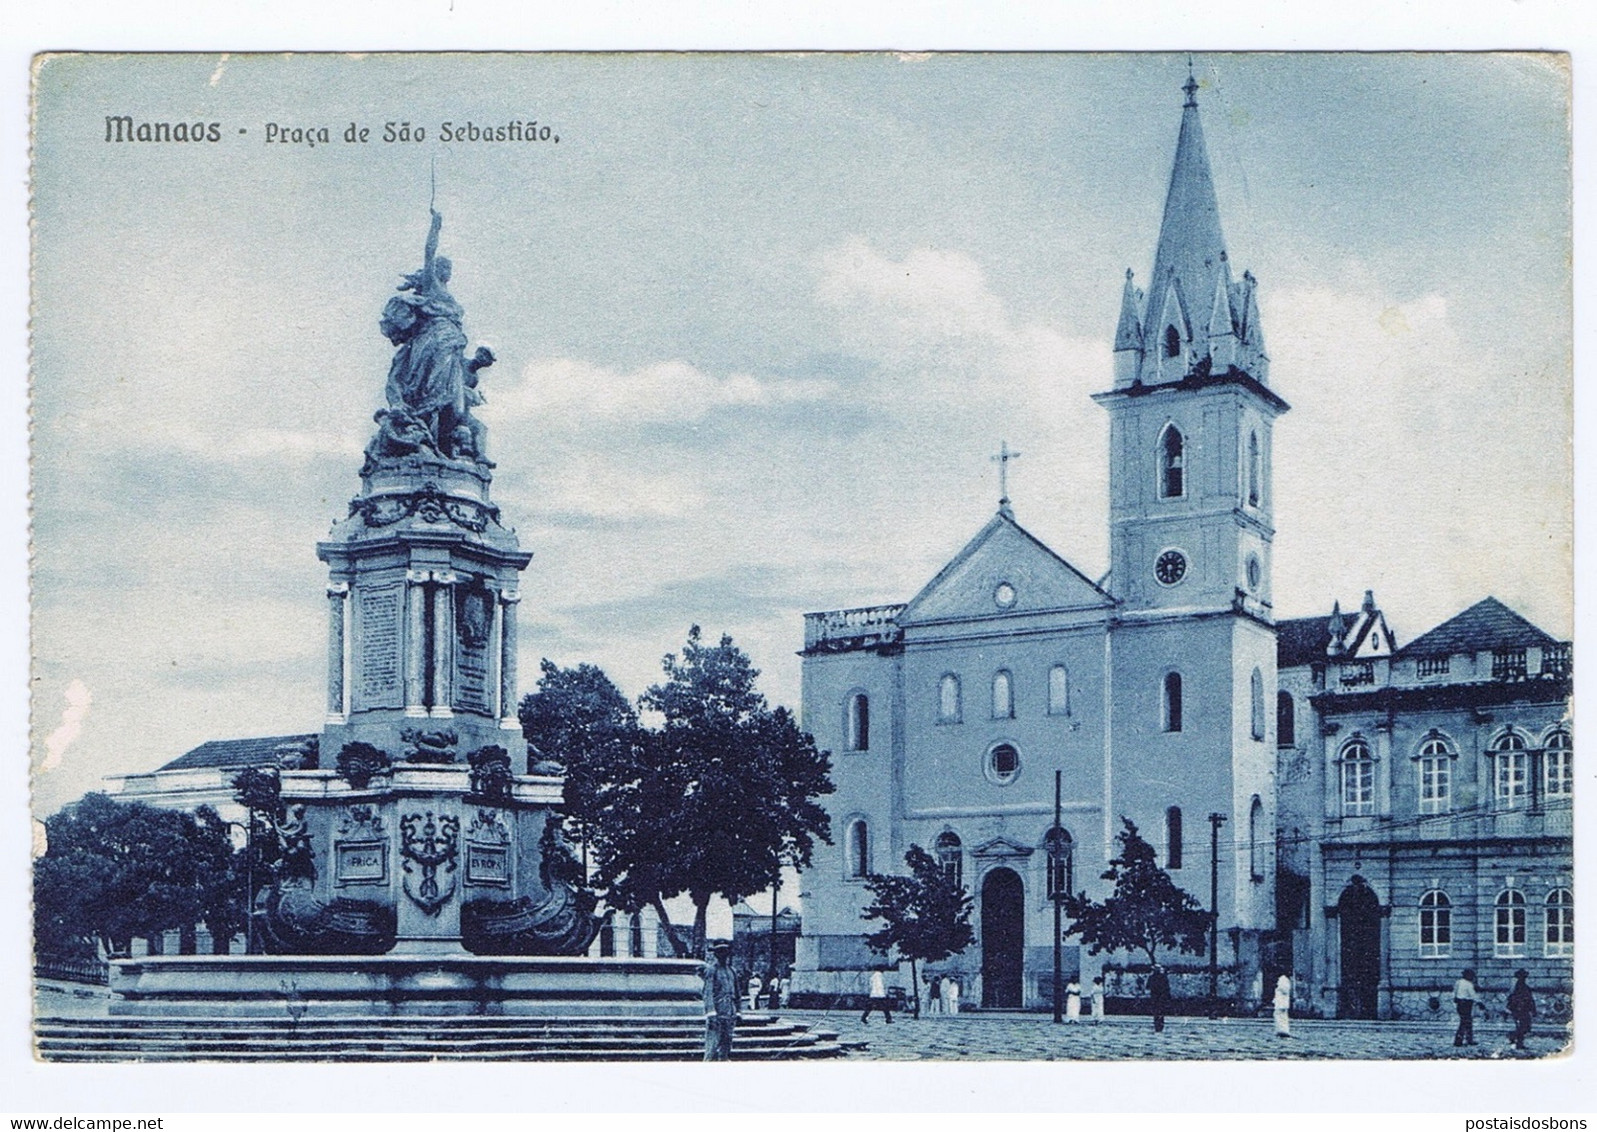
x=1283, y=1007
x=1073, y=1001
x=951, y=995
x=1097, y=1000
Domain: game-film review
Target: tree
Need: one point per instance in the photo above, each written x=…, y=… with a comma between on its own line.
x=115, y=870
x=711, y=802
x=1145, y=912
x=925, y=916
x=738, y=780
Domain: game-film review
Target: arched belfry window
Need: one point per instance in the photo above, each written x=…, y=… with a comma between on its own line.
x=1256, y=836
x=950, y=856
x=1172, y=342
x=1059, y=859
x=1253, y=469
x=1256, y=693
x=857, y=850
x=948, y=705
x=1058, y=690
x=1172, y=463
x=1286, y=723
x=1171, y=708
x=859, y=722
x=1172, y=838
x=1003, y=695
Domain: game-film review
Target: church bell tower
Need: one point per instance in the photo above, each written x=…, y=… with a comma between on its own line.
x=1191, y=528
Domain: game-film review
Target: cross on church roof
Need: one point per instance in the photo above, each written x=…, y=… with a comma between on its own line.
x=1190, y=86
x=1002, y=460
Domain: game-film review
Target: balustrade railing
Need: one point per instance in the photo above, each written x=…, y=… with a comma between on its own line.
x=852, y=628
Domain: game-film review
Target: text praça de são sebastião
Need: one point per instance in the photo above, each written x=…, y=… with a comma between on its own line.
x=124, y=128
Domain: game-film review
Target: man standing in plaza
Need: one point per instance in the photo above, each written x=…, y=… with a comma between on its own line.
x=720, y=1003
x=1465, y=998
x=1159, y=996
x=1522, y=1005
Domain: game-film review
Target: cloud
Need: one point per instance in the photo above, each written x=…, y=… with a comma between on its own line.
x=71, y=725
x=669, y=391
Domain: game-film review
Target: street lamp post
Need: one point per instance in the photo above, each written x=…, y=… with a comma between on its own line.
x=1215, y=822
x=1056, y=883
x=246, y=827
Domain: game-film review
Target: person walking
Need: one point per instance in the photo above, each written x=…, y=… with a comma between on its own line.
x=720, y=1003
x=1464, y=999
x=878, y=1000
x=934, y=995
x=1073, y=1002
x=1283, y=1007
x=1097, y=1001
x=1159, y=996
x=1522, y=1006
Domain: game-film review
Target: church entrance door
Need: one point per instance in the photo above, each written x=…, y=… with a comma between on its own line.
x=1359, y=912
x=1003, y=939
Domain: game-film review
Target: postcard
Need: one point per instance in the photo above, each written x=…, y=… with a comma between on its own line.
x=662, y=557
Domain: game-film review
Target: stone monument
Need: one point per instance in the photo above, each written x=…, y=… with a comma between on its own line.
x=417, y=872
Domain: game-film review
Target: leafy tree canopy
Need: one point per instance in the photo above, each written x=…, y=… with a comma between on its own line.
x=1146, y=910
x=713, y=801
x=115, y=870
x=925, y=916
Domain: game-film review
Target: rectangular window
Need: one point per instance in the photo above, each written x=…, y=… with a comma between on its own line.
x=1432, y=665
x=1358, y=673
x=1555, y=660
x=1510, y=942
x=1511, y=778
x=1358, y=787
x=1436, y=933
x=1435, y=785
x=1560, y=773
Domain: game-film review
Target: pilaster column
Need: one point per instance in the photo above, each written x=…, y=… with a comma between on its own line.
x=508, y=718
x=337, y=594
x=416, y=643
x=443, y=645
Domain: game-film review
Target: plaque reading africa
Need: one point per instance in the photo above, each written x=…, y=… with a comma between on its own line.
x=361, y=862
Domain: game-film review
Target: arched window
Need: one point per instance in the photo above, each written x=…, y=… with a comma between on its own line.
x=1256, y=692
x=948, y=699
x=1003, y=695
x=857, y=850
x=1253, y=469
x=1256, y=839
x=1172, y=342
x=635, y=935
x=1170, y=710
x=1560, y=757
x=859, y=722
x=1510, y=939
x=1358, y=779
x=1059, y=858
x=1560, y=935
x=1436, y=925
x=1436, y=776
x=1172, y=463
x=1511, y=769
x=1058, y=690
x=1172, y=838
x=950, y=855
x=1286, y=724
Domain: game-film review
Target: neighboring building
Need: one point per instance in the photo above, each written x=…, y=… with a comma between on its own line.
x=1152, y=692
x=1425, y=810
x=755, y=947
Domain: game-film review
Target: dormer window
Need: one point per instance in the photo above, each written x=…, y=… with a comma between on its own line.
x=1172, y=463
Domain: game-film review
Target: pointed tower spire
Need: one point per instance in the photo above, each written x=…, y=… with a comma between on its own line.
x=1191, y=252
x=1338, y=629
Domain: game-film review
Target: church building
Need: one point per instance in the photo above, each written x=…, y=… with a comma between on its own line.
x=1151, y=691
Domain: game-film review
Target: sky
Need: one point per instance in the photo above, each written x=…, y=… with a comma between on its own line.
x=761, y=321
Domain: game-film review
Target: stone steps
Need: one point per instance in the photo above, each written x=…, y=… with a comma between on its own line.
x=759, y=1037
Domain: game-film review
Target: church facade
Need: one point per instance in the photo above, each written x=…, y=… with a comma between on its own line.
x=1376, y=817
x=1150, y=693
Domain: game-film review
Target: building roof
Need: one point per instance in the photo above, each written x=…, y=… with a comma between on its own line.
x=225, y=753
x=1488, y=624
x=1302, y=640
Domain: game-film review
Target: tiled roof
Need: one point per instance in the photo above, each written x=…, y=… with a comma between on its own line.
x=1302, y=640
x=1488, y=624
x=235, y=752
